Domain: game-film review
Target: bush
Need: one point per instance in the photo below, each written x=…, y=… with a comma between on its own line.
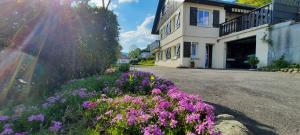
x=147, y=62
x=124, y=67
x=281, y=63
x=134, y=62
x=252, y=60
x=173, y=112
x=141, y=83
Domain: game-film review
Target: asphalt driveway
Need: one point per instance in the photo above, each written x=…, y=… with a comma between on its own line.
x=267, y=103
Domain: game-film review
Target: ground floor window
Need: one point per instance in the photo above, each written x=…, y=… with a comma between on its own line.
x=194, y=46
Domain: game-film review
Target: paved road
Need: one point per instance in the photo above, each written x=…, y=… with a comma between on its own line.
x=267, y=103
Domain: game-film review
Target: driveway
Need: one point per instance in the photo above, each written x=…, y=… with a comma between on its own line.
x=267, y=103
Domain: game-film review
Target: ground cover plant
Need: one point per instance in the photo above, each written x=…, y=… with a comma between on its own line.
x=132, y=103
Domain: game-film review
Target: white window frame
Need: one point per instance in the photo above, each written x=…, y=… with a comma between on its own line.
x=177, y=51
x=202, y=13
x=194, y=45
x=177, y=20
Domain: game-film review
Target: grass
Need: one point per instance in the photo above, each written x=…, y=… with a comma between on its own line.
x=147, y=63
x=96, y=82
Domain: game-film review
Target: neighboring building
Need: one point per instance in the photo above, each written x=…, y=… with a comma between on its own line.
x=123, y=59
x=218, y=34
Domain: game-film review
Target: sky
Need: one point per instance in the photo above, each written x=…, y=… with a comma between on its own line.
x=136, y=20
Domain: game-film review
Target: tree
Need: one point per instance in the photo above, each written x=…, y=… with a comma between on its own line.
x=135, y=53
x=257, y=3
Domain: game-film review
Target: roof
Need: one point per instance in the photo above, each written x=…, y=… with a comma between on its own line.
x=206, y=2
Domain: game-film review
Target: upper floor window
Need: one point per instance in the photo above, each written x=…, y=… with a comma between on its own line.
x=177, y=20
x=202, y=18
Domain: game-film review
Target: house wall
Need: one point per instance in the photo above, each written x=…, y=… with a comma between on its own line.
x=188, y=33
x=262, y=47
x=285, y=41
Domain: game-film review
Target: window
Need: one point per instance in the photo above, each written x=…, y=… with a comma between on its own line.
x=168, y=53
x=168, y=28
x=178, y=51
x=194, y=50
x=202, y=18
x=177, y=21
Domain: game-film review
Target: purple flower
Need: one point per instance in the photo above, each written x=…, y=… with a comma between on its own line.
x=200, y=128
x=4, y=118
x=117, y=118
x=56, y=126
x=20, y=134
x=7, y=131
x=39, y=117
x=152, y=130
x=89, y=105
x=164, y=104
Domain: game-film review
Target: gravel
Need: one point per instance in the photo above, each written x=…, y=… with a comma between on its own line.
x=267, y=103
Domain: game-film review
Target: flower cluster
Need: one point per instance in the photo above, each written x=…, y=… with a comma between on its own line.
x=56, y=126
x=173, y=113
x=141, y=83
x=39, y=117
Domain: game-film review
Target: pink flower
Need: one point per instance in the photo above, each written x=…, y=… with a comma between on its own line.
x=117, y=118
x=190, y=133
x=200, y=128
x=164, y=104
x=145, y=117
x=137, y=100
x=109, y=112
x=173, y=123
x=156, y=91
x=89, y=105
x=192, y=118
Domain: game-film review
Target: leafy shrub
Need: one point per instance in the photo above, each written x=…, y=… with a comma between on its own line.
x=281, y=63
x=141, y=83
x=252, y=60
x=169, y=112
x=134, y=61
x=124, y=67
x=294, y=66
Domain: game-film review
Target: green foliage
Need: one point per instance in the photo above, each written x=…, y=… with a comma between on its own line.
x=124, y=67
x=253, y=60
x=92, y=83
x=134, y=54
x=149, y=62
x=257, y=3
x=134, y=61
x=67, y=42
x=281, y=63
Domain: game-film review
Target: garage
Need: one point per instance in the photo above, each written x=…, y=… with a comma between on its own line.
x=238, y=52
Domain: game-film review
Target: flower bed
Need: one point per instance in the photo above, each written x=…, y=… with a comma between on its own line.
x=143, y=104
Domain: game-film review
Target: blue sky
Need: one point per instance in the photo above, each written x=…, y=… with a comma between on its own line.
x=136, y=19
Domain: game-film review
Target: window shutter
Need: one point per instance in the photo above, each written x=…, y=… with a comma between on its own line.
x=193, y=16
x=187, y=50
x=216, y=18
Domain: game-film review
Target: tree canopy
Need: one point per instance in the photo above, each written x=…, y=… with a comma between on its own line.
x=254, y=2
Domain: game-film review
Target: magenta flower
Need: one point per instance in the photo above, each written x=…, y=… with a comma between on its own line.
x=192, y=118
x=156, y=91
x=152, y=130
x=39, y=117
x=56, y=126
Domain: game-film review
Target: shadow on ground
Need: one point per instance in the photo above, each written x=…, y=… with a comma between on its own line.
x=256, y=127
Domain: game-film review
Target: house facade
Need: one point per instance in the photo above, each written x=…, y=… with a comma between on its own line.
x=216, y=34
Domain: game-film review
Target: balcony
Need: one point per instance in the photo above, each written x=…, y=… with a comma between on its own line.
x=254, y=18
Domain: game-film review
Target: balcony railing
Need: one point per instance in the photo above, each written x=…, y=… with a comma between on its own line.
x=257, y=17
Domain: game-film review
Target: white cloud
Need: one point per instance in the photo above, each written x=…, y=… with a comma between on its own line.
x=128, y=1
x=140, y=37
